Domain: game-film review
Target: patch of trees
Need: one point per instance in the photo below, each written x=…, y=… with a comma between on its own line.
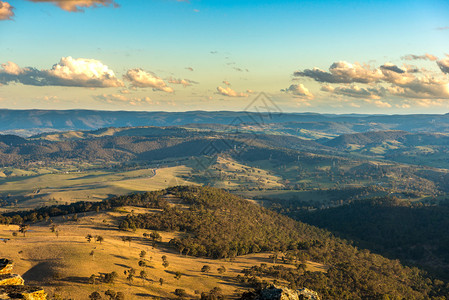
x=148, y=200
x=221, y=225
x=415, y=233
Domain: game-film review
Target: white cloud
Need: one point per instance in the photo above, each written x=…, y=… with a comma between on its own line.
x=184, y=82
x=230, y=92
x=79, y=72
x=387, y=80
x=140, y=78
x=78, y=5
x=83, y=72
x=355, y=91
x=343, y=72
x=299, y=90
x=6, y=11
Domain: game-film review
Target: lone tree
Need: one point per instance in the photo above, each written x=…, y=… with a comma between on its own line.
x=53, y=228
x=180, y=293
x=127, y=239
x=178, y=275
x=161, y=281
x=130, y=278
x=95, y=296
x=92, y=279
x=89, y=237
x=221, y=270
x=142, y=254
x=155, y=237
x=205, y=269
x=110, y=277
x=142, y=263
x=100, y=239
x=23, y=228
x=111, y=294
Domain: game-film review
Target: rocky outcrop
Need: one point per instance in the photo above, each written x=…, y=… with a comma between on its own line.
x=281, y=293
x=5, y=266
x=22, y=292
x=11, y=279
x=12, y=285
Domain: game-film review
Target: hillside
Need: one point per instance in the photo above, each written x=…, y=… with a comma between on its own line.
x=204, y=222
x=29, y=122
x=395, y=138
x=414, y=233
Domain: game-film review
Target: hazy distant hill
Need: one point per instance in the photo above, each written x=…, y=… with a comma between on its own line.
x=400, y=138
x=25, y=122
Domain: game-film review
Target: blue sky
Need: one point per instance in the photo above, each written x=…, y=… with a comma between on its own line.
x=361, y=56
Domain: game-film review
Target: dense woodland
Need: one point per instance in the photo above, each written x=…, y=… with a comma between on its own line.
x=415, y=233
x=218, y=224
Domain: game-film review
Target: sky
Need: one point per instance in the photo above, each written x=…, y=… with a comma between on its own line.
x=388, y=57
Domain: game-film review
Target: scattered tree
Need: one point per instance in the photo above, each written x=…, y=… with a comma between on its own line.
x=178, y=275
x=95, y=296
x=23, y=228
x=205, y=269
x=89, y=238
x=100, y=239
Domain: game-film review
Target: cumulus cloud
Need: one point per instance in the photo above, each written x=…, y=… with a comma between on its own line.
x=230, y=92
x=226, y=82
x=6, y=11
x=426, y=87
x=444, y=64
x=184, y=82
x=78, y=5
x=426, y=56
x=342, y=72
x=355, y=91
x=142, y=79
x=190, y=69
x=298, y=90
x=79, y=72
x=387, y=80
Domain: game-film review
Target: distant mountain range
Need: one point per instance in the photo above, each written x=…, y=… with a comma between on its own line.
x=29, y=122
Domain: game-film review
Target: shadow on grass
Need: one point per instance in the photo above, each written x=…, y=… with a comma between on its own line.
x=76, y=279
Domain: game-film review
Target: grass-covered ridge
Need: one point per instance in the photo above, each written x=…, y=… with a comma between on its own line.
x=218, y=224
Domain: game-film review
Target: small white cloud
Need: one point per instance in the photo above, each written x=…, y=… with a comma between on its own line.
x=184, y=82
x=140, y=78
x=298, y=90
x=230, y=92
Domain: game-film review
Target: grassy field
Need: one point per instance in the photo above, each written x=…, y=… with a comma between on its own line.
x=229, y=174
x=60, y=188
x=62, y=264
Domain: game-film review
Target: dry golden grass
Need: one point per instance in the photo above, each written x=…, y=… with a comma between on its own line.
x=62, y=264
x=61, y=188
